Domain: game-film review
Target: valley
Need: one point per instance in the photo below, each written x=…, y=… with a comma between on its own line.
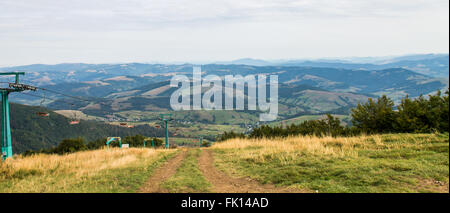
x=103, y=96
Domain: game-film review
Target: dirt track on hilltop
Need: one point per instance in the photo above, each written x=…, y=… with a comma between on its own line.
x=167, y=170
x=222, y=183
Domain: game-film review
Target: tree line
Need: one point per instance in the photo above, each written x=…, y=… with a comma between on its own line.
x=71, y=145
x=419, y=115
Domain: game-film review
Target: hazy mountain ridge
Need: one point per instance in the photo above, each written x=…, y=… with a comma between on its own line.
x=435, y=65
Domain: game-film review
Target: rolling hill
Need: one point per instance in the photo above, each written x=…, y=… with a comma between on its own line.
x=294, y=100
x=32, y=132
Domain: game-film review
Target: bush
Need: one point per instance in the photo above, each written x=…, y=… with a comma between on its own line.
x=158, y=142
x=134, y=141
x=70, y=145
x=97, y=144
x=206, y=144
x=229, y=135
x=329, y=126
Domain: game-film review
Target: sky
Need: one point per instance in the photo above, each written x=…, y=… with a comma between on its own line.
x=166, y=31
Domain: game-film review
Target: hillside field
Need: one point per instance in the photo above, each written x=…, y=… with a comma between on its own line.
x=104, y=170
x=376, y=163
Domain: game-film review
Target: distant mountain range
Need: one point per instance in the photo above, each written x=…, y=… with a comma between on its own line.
x=435, y=65
x=305, y=86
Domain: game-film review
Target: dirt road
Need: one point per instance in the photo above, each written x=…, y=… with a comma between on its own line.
x=223, y=183
x=153, y=184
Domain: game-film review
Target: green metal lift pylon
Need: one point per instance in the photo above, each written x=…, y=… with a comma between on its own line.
x=6, y=127
x=112, y=139
x=166, y=118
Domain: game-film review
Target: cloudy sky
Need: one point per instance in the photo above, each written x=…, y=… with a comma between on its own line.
x=113, y=31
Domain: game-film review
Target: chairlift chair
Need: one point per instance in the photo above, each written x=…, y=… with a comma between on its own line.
x=74, y=120
x=42, y=114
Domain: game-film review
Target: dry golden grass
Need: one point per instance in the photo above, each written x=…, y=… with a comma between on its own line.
x=367, y=163
x=291, y=146
x=59, y=173
x=324, y=146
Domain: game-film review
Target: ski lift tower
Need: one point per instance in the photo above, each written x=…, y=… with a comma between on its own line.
x=166, y=118
x=6, y=128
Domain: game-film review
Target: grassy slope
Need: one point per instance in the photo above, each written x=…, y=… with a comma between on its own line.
x=188, y=178
x=379, y=163
x=106, y=170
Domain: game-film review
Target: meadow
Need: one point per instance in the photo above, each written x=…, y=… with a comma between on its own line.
x=376, y=163
x=368, y=163
x=103, y=170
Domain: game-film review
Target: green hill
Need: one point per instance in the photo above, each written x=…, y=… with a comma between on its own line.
x=32, y=132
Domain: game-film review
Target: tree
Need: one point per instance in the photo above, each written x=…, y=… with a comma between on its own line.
x=334, y=127
x=97, y=144
x=71, y=145
x=158, y=142
x=422, y=115
x=134, y=141
x=375, y=117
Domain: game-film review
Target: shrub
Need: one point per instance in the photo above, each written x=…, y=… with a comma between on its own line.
x=97, y=144
x=70, y=145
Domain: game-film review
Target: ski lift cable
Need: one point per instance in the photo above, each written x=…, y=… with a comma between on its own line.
x=63, y=94
x=39, y=96
x=73, y=97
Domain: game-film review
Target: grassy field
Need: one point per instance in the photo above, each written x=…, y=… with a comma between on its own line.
x=378, y=163
x=188, y=178
x=105, y=170
x=79, y=115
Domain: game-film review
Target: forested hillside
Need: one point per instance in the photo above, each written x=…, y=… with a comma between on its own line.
x=32, y=132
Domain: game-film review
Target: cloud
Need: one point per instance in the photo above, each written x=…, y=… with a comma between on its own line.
x=53, y=31
x=103, y=15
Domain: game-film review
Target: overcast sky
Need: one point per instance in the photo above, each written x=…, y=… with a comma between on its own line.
x=112, y=31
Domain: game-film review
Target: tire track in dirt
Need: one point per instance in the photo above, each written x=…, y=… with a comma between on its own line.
x=167, y=170
x=222, y=183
